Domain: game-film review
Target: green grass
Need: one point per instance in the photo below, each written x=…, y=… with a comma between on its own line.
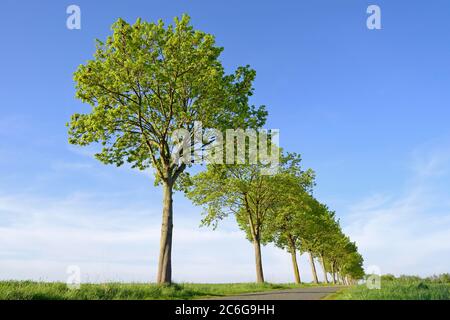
x=28, y=290
x=403, y=288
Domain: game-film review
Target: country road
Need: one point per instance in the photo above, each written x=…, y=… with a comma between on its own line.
x=313, y=293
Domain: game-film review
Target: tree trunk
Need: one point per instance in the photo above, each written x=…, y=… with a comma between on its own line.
x=333, y=273
x=295, y=266
x=165, y=250
x=258, y=260
x=322, y=262
x=313, y=268
x=340, y=278
x=293, y=252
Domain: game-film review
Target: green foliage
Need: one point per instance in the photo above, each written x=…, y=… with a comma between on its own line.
x=292, y=215
x=442, y=278
x=278, y=209
x=239, y=190
x=246, y=193
x=300, y=222
x=408, y=278
x=147, y=80
x=387, y=277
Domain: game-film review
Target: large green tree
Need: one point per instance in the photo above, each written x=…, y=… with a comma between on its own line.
x=148, y=80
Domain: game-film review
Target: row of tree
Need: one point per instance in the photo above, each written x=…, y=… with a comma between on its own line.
x=279, y=209
x=148, y=80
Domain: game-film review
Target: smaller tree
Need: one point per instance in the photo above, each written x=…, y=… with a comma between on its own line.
x=352, y=268
x=325, y=244
x=291, y=214
x=315, y=236
x=243, y=191
x=343, y=259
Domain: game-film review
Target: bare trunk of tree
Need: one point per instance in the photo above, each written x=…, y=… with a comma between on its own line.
x=313, y=268
x=333, y=273
x=295, y=266
x=165, y=249
x=293, y=252
x=324, y=269
x=258, y=260
x=338, y=280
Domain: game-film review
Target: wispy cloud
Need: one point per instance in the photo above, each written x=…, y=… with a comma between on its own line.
x=407, y=233
x=115, y=240
x=114, y=234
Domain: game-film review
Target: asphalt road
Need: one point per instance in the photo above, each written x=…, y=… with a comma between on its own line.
x=313, y=293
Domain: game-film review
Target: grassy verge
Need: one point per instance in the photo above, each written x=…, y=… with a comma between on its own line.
x=406, y=288
x=335, y=295
x=28, y=290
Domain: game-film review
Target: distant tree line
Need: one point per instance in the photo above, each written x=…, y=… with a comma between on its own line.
x=279, y=209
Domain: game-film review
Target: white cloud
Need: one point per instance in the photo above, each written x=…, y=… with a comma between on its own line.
x=118, y=241
x=114, y=236
x=407, y=233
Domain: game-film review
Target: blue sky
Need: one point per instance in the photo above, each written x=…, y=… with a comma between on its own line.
x=367, y=109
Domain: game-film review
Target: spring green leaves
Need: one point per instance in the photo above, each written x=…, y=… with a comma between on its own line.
x=279, y=209
x=147, y=80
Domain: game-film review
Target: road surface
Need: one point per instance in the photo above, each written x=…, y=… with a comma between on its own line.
x=313, y=293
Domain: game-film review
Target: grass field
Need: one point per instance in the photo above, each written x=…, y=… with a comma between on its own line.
x=28, y=290
x=403, y=288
